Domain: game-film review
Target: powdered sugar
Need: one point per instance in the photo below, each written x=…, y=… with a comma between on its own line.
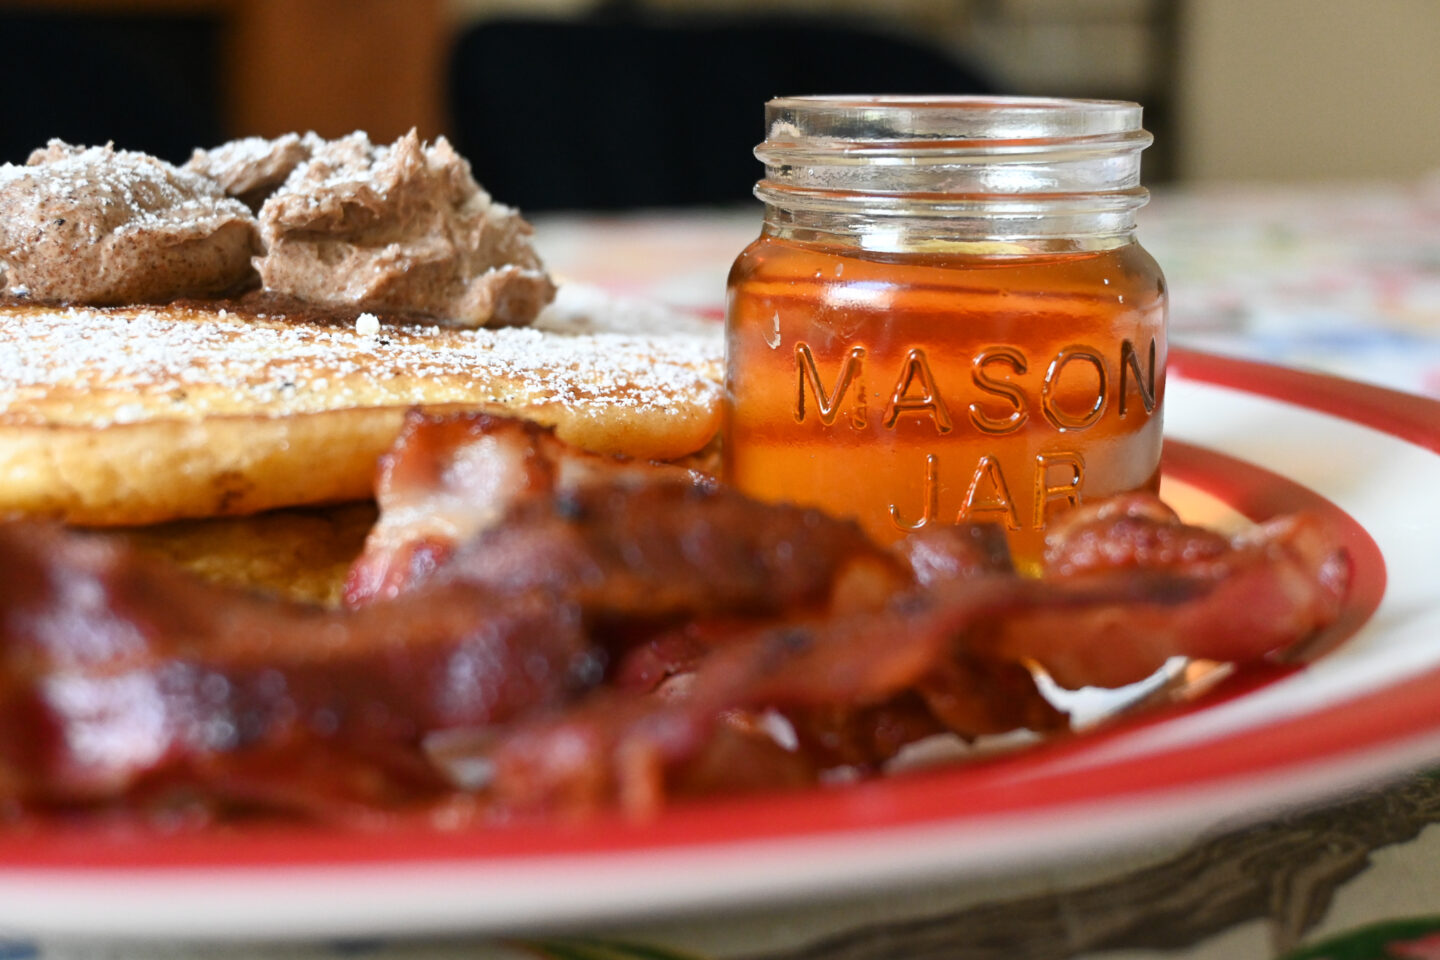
x=101, y=366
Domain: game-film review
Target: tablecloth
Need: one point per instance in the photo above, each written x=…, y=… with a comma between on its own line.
x=1343, y=278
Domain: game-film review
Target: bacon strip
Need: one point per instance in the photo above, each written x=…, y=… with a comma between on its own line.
x=665, y=550
x=451, y=477
x=1265, y=590
x=957, y=645
x=118, y=668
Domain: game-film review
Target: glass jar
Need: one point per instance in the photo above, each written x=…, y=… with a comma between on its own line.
x=946, y=316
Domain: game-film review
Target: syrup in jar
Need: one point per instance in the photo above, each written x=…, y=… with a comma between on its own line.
x=920, y=337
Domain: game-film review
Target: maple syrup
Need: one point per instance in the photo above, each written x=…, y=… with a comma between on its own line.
x=915, y=356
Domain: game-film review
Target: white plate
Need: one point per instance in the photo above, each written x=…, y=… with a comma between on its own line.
x=1249, y=437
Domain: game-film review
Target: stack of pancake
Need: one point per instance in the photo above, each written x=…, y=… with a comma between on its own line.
x=155, y=419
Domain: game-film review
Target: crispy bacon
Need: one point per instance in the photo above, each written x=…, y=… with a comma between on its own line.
x=957, y=552
x=119, y=668
x=1131, y=532
x=954, y=649
x=451, y=477
x=1264, y=590
x=666, y=550
x=829, y=674
x=587, y=633
x=135, y=673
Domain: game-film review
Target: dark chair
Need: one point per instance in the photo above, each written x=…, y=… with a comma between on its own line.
x=607, y=114
x=147, y=82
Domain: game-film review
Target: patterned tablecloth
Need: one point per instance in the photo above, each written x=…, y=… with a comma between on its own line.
x=1340, y=278
x=1343, y=279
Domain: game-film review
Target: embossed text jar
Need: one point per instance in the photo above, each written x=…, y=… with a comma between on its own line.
x=946, y=316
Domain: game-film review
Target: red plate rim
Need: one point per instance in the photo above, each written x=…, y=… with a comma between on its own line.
x=969, y=794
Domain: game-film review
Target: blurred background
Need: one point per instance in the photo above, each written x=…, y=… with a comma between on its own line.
x=1295, y=174
x=579, y=104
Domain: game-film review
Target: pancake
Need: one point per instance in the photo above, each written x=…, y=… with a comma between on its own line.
x=144, y=414
x=300, y=554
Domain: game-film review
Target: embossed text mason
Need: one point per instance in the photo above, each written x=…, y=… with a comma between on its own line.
x=947, y=316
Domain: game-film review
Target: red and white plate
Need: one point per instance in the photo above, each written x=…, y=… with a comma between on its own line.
x=1243, y=437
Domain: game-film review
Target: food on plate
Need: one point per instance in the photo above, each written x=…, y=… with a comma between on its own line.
x=251, y=168
x=301, y=553
x=104, y=226
x=158, y=673
x=551, y=607
x=399, y=228
x=127, y=398
x=610, y=643
x=450, y=477
x=134, y=415
x=395, y=229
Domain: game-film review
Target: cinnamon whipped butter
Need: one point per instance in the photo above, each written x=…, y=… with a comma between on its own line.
x=399, y=229
x=403, y=227
x=250, y=168
x=103, y=226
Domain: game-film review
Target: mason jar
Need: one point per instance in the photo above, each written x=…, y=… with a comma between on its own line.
x=947, y=316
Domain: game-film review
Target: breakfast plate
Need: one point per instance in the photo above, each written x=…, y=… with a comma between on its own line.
x=1245, y=440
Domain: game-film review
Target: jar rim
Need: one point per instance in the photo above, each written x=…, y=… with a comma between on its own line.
x=941, y=100
x=879, y=118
